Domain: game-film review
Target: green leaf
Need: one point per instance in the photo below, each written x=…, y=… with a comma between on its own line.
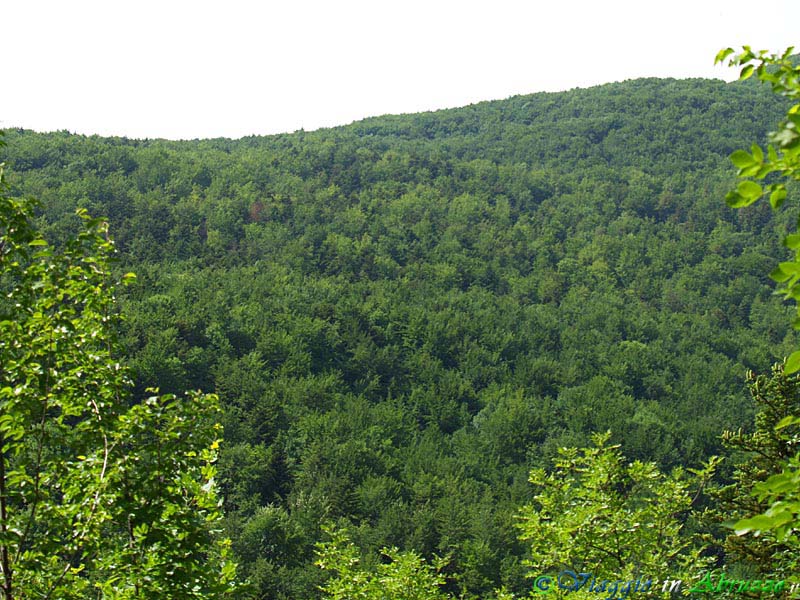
x=793, y=292
x=753, y=170
x=776, y=485
x=780, y=274
x=792, y=267
x=742, y=159
x=787, y=421
x=736, y=200
x=746, y=72
x=792, y=363
x=757, y=523
x=771, y=154
x=723, y=54
x=750, y=190
x=792, y=241
x=758, y=154
x=777, y=197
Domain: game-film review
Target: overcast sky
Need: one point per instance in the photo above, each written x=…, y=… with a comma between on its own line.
x=193, y=69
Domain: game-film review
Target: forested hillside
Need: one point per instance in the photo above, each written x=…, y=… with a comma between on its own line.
x=404, y=316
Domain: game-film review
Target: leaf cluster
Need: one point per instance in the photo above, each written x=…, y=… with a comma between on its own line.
x=399, y=575
x=98, y=497
x=781, y=160
x=597, y=513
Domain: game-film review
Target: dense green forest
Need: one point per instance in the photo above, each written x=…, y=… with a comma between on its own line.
x=404, y=316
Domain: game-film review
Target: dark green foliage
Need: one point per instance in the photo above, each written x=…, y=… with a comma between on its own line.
x=404, y=316
x=759, y=454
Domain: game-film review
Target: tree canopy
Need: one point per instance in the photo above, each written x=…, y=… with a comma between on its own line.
x=404, y=317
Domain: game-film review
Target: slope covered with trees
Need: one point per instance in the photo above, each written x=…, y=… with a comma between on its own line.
x=404, y=316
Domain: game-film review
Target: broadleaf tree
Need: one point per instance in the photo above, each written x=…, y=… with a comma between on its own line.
x=615, y=520
x=100, y=496
x=777, y=167
x=401, y=575
x=765, y=172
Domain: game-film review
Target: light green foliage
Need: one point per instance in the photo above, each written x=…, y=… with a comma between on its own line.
x=779, y=160
x=596, y=513
x=401, y=575
x=97, y=499
x=781, y=491
x=164, y=496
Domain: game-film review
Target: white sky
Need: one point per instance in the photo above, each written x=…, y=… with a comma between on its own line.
x=193, y=69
